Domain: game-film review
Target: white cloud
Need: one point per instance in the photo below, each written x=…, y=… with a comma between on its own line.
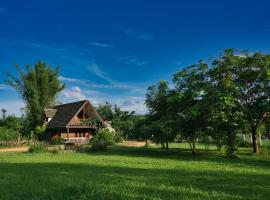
x=133, y=59
x=5, y=87
x=99, y=73
x=114, y=85
x=97, y=44
x=73, y=93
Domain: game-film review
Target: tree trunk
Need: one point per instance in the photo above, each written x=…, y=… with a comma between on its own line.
x=163, y=145
x=192, y=147
x=146, y=143
x=167, y=145
x=254, y=139
x=218, y=144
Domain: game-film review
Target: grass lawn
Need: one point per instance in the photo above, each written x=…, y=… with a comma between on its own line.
x=134, y=173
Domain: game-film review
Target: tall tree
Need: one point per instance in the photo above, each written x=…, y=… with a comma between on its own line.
x=188, y=103
x=4, y=111
x=249, y=75
x=157, y=102
x=38, y=87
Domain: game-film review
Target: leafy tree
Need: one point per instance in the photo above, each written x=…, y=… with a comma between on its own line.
x=141, y=129
x=122, y=121
x=106, y=111
x=38, y=88
x=248, y=77
x=12, y=122
x=157, y=103
x=187, y=102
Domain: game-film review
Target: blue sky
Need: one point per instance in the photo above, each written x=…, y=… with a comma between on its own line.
x=113, y=50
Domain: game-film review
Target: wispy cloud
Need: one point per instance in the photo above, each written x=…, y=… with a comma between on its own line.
x=133, y=59
x=99, y=73
x=110, y=86
x=5, y=87
x=133, y=33
x=97, y=44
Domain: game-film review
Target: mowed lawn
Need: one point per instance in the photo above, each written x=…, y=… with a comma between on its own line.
x=133, y=173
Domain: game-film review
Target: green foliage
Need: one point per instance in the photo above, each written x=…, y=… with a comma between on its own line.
x=118, y=137
x=36, y=148
x=57, y=140
x=92, y=122
x=102, y=139
x=122, y=121
x=7, y=134
x=12, y=122
x=40, y=132
x=38, y=88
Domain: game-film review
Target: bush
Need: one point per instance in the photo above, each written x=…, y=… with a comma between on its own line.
x=36, y=148
x=102, y=139
x=243, y=143
x=57, y=140
x=7, y=134
x=118, y=137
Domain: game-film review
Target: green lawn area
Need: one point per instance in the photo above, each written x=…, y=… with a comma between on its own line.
x=134, y=173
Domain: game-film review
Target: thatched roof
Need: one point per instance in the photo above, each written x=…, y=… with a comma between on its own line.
x=50, y=113
x=65, y=113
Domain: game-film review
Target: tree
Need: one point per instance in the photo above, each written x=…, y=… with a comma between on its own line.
x=157, y=103
x=4, y=111
x=188, y=105
x=38, y=88
x=122, y=121
x=249, y=79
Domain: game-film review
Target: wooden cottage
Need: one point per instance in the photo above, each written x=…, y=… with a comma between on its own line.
x=66, y=121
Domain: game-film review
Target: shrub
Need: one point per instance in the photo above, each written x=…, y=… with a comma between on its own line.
x=7, y=134
x=36, y=148
x=57, y=140
x=102, y=139
x=243, y=143
x=118, y=137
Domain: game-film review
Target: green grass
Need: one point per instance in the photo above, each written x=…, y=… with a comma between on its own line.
x=134, y=173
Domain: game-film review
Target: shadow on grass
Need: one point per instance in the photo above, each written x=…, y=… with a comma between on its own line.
x=90, y=181
x=185, y=155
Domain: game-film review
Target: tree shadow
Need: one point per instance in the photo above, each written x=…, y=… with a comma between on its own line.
x=90, y=181
x=184, y=155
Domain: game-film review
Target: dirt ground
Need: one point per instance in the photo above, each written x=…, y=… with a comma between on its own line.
x=14, y=149
x=130, y=143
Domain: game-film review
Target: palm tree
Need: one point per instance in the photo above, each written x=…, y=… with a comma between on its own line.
x=4, y=111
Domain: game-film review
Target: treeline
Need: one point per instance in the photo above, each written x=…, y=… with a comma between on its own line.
x=216, y=100
x=11, y=127
x=210, y=102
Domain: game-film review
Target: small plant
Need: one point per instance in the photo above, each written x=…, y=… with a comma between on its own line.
x=102, y=139
x=57, y=140
x=36, y=148
x=54, y=151
x=118, y=137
